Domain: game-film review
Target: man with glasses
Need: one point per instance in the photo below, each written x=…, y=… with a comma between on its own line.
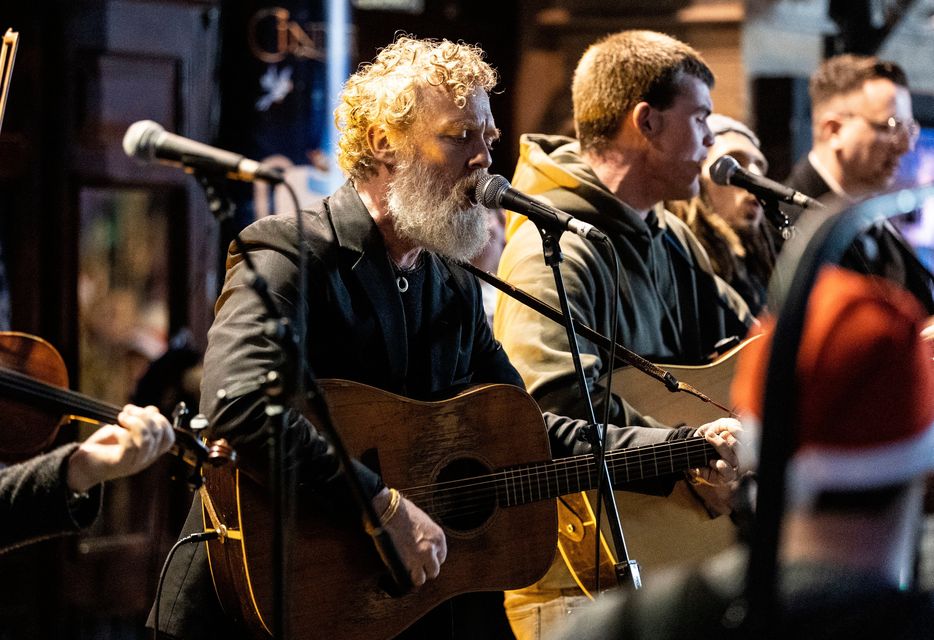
x=862, y=126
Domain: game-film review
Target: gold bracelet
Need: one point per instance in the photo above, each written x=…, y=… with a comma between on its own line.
x=395, y=497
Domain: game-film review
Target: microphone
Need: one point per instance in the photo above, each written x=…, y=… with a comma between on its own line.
x=494, y=191
x=727, y=171
x=148, y=142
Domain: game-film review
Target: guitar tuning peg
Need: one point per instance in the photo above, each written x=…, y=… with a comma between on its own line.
x=180, y=415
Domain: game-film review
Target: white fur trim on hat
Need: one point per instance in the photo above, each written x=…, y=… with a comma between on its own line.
x=819, y=469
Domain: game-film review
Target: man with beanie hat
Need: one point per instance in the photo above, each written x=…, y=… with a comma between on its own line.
x=729, y=221
x=864, y=445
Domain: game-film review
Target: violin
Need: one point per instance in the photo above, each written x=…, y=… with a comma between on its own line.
x=35, y=401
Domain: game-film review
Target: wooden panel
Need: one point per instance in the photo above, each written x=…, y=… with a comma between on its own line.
x=719, y=44
x=111, y=93
x=122, y=89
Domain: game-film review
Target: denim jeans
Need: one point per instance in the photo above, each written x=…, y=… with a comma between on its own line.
x=540, y=614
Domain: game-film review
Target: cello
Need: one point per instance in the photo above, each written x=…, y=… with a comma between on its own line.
x=36, y=402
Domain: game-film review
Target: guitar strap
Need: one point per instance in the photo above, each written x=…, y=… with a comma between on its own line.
x=223, y=531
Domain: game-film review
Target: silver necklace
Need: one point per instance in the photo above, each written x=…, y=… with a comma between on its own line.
x=402, y=283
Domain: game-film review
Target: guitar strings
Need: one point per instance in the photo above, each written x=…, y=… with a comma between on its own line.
x=524, y=483
x=473, y=502
x=635, y=455
x=629, y=457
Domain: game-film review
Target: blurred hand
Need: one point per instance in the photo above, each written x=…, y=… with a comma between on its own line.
x=927, y=332
x=716, y=482
x=420, y=542
x=114, y=452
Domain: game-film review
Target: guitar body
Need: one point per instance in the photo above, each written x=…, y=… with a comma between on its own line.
x=651, y=398
x=577, y=526
x=659, y=531
x=334, y=573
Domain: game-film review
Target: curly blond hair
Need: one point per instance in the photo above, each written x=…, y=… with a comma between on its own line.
x=386, y=91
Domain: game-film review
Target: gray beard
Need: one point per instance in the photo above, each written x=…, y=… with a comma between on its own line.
x=434, y=217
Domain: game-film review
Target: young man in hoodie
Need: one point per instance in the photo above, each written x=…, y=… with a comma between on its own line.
x=641, y=101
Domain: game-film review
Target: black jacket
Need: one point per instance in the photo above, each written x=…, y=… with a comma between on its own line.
x=35, y=502
x=881, y=250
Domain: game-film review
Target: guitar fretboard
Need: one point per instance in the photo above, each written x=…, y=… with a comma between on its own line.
x=528, y=483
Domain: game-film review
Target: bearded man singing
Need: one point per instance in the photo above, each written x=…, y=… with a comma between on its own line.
x=388, y=306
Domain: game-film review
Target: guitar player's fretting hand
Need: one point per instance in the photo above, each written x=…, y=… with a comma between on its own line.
x=716, y=483
x=420, y=542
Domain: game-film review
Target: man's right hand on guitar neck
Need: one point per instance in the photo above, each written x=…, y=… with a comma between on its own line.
x=419, y=541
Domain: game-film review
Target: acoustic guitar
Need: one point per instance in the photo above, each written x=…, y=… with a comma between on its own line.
x=478, y=463
x=659, y=531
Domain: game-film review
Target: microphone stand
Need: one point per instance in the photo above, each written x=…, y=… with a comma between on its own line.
x=314, y=398
x=277, y=385
x=778, y=218
x=624, y=567
x=280, y=386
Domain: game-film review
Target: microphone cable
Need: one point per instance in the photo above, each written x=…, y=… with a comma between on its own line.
x=201, y=536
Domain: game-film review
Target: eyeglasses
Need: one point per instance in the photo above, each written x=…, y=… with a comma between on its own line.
x=892, y=127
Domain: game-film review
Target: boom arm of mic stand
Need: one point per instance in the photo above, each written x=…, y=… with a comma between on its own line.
x=624, y=355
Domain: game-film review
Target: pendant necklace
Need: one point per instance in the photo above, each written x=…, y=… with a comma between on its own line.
x=402, y=283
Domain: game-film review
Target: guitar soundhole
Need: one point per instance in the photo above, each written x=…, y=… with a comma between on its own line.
x=465, y=495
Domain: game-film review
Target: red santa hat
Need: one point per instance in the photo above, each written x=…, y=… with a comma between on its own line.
x=865, y=387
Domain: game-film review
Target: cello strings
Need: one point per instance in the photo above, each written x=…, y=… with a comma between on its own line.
x=31, y=388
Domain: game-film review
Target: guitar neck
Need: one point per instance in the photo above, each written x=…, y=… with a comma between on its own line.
x=527, y=483
x=40, y=394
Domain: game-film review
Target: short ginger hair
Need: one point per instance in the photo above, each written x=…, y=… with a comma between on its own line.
x=622, y=70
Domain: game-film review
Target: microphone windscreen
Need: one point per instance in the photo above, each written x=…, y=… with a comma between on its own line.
x=139, y=139
x=489, y=189
x=721, y=171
